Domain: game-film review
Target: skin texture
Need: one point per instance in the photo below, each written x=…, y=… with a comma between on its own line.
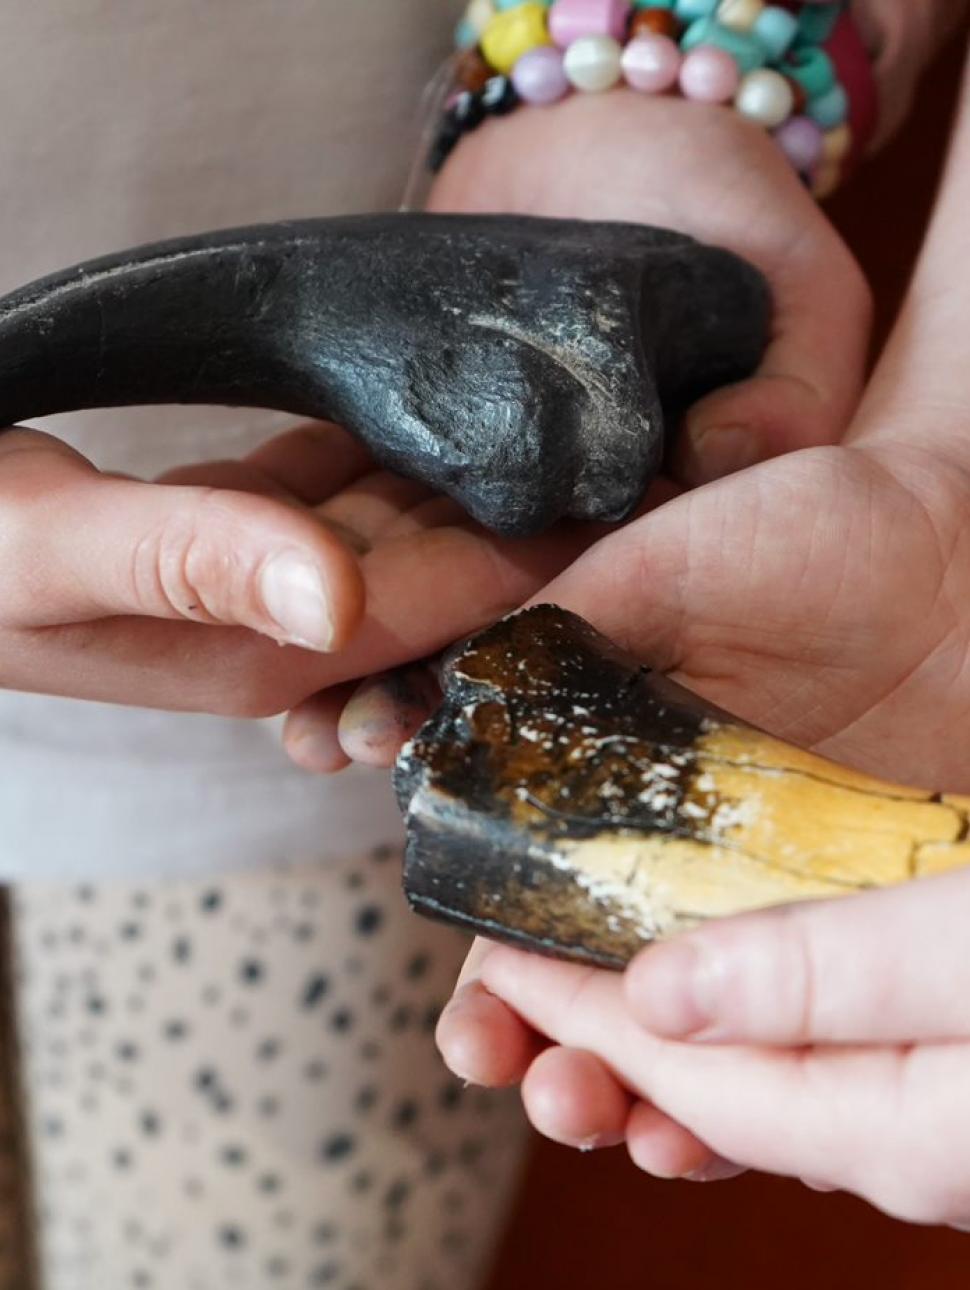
x=797, y=1041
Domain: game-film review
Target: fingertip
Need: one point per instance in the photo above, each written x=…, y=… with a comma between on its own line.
x=310, y=733
x=660, y=1146
x=482, y=1041
x=572, y=1098
x=384, y=713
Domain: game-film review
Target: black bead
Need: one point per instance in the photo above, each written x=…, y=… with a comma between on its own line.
x=499, y=96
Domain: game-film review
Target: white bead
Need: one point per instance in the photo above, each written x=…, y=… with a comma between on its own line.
x=765, y=97
x=480, y=13
x=739, y=14
x=593, y=63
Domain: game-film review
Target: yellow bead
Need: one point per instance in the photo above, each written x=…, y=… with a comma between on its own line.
x=827, y=179
x=836, y=143
x=513, y=33
x=739, y=14
x=479, y=14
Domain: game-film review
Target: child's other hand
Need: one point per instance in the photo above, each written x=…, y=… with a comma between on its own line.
x=177, y=594
x=826, y=1042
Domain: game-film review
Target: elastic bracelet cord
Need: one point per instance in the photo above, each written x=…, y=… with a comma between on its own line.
x=800, y=70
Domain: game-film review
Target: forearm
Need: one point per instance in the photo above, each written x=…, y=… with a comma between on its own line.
x=904, y=36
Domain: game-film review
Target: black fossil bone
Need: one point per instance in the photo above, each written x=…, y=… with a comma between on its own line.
x=517, y=364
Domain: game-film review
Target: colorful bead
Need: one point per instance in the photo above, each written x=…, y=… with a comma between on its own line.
x=594, y=63
x=813, y=69
x=765, y=97
x=653, y=4
x=539, y=76
x=651, y=64
x=776, y=29
x=747, y=51
x=830, y=109
x=499, y=96
x=801, y=141
x=513, y=33
x=709, y=75
x=471, y=71
x=799, y=97
x=688, y=10
x=827, y=179
x=479, y=14
x=816, y=22
x=466, y=37
x=837, y=143
x=569, y=20
x=739, y=14
x=654, y=22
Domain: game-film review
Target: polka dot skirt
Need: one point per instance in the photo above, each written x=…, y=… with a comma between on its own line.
x=233, y=1085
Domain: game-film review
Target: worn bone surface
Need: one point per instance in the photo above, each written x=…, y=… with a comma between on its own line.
x=519, y=365
x=565, y=799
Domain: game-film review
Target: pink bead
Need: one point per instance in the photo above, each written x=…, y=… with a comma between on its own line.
x=539, y=77
x=569, y=20
x=651, y=64
x=709, y=75
x=801, y=141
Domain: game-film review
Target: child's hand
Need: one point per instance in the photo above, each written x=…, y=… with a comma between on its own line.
x=828, y=1042
x=175, y=594
x=703, y=171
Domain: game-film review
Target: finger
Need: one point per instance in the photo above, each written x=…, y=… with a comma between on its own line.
x=385, y=712
x=75, y=545
x=312, y=461
x=866, y=1120
x=481, y=1040
x=374, y=503
x=310, y=732
x=236, y=476
x=572, y=1098
x=817, y=974
x=660, y=1146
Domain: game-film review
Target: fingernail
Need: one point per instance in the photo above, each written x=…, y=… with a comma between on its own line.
x=676, y=989
x=294, y=597
x=716, y=1170
x=723, y=450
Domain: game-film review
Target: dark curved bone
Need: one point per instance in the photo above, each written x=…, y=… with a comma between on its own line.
x=567, y=800
x=516, y=364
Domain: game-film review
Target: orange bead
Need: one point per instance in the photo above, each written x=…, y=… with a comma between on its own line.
x=658, y=22
x=472, y=71
x=801, y=97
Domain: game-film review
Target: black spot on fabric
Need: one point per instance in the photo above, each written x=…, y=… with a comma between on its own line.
x=362, y=1182
x=431, y=1017
x=53, y=1127
x=404, y=1114
x=151, y=1124
x=121, y=1159
x=397, y=1193
x=147, y=974
x=252, y=971
x=129, y=931
x=268, y=1049
x=354, y=881
x=337, y=1147
x=369, y=920
x=315, y=1070
x=380, y=995
x=97, y=1005
x=471, y=1151
x=435, y=1163
x=231, y=1236
x=175, y=1030
x=181, y=949
x=234, y=1156
x=211, y=995
x=206, y=1078
x=324, y=1233
x=86, y=895
x=304, y=932
x=324, y=1275
x=366, y=1098
x=401, y=1017
x=268, y=1106
x=450, y=1097
x=211, y=901
x=277, y=1266
x=316, y=988
x=127, y=1051
x=269, y=1183
x=418, y=967
x=370, y=1051
x=341, y=1021
x=141, y=900
x=141, y=1278
x=381, y=855
x=454, y=1241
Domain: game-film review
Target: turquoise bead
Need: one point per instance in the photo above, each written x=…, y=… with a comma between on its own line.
x=466, y=37
x=829, y=110
x=688, y=10
x=653, y=4
x=747, y=51
x=776, y=29
x=816, y=22
x=812, y=68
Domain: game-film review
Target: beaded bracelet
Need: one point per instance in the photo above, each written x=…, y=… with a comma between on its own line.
x=797, y=69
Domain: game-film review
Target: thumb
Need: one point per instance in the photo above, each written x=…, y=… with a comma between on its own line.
x=77, y=545
x=882, y=968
